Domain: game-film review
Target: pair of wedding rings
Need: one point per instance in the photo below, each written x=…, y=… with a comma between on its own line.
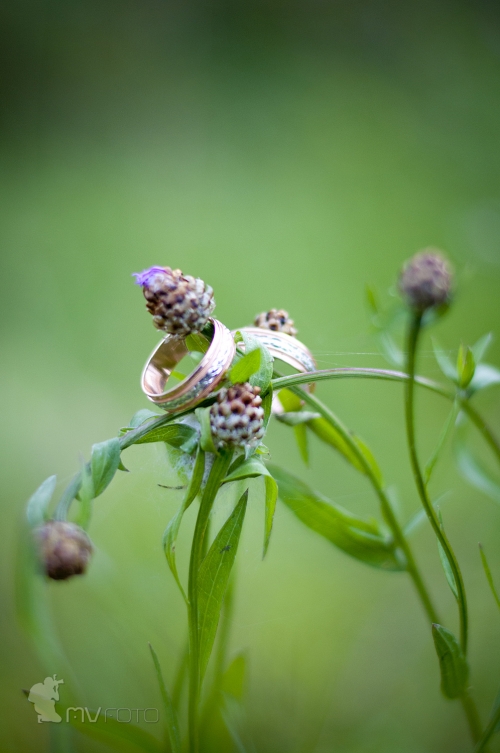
x=215, y=363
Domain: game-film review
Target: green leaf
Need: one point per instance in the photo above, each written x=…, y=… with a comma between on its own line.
x=369, y=457
x=489, y=576
x=197, y=343
x=233, y=680
x=479, y=349
x=390, y=350
x=178, y=435
x=170, y=713
x=448, y=426
x=484, y=376
x=301, y=438
x=271, y=499
x=85, y=495
x=290, y=401
x=267, y=406
x=141, y=416
x=475, y=473
x=466, y=366
x=68, y=496
x=172, y=529
x=36, y=509
x=294, y=418
x=245, y=367
x=262, y=377
x=104, y=463
x=444, y=361
x=206, y=438
x=213, y=578
x=328, y=434
x=452, y=664
x=251, y=468
x=446, y=563
x=372, y=299
x=360, y=538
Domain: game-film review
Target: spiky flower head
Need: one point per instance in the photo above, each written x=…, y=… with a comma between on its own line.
x=426, y=280
x=64, y=549
x=179, y=304
x=276, y=320
x=237, y=418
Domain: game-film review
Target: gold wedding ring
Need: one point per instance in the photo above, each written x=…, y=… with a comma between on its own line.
x=284, y=347
x=202, y=380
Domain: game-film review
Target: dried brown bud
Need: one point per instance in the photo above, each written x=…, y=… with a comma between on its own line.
x=276, y=320
x=237, y=418
x=64, y=549
x=179, y=304
x=425, y=280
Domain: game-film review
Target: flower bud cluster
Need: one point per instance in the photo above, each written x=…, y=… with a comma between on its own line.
x=425, y=280
x=277, y=320
x=237, y=418
x=64, y=549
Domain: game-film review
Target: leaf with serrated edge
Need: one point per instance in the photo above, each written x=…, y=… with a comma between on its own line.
x=36, y=509
x=172, y=529
x=360, y=538
x=213, y=577
x=104, y=463
x=452, y=664
x=170, y=712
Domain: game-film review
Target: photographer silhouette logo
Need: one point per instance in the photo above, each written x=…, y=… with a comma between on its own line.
x=43, y=696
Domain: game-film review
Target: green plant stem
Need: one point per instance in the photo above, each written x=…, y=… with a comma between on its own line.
x=413, y=336
x=215, y=478
x=472, y=715
x=388, y=375
x=385, y=504
x=489, y=731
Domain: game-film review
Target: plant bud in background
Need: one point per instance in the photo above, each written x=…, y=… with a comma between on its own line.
x=237, y=418
x=425, y=280
x=277, y=320
x=64, y=549
x=179, y=304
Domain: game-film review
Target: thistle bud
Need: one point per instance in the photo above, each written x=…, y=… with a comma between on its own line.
x=179, y=304
x=277, y=320
x=237, y=418
x=64, y=549
x=425, y=280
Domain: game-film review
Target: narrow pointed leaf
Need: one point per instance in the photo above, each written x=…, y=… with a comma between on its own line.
x=141, y=416
x=233, y=680
x=360, y=538
x=104, y=463
x=475, y=473
x=481, y=346
x=271, y=499
x=466, y=365
x=370, y=458
x=444, y=361
x=176, y=435
x=372, y=299
x=213, y=578
x=484, y=376
x=249, y=468
x=301, y=438
x=446, y=563
x=172, y=529
x=452, y=664
x=294, y=418
x=36, y=510
x=331, y=436
x=68, y=496
x=85, y=495
x=267, y=404
x=246, y=366
x=431, y=463
x=290, y=401
x=390, y=350
x=489, y=576
x=170, y=712
x=206, y=438
x=262, y=377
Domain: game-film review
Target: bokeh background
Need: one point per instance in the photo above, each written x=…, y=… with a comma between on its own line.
x=287, y=153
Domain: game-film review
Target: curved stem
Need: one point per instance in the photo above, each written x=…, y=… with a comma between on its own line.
x=385, y=504
x=217, y=474
x=389, y=375
x=489, y=731
x=413, y=336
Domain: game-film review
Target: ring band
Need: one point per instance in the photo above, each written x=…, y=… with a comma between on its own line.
x=202, y=380
x=284, y=347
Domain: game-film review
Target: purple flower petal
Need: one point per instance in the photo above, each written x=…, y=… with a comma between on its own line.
x=143, y=278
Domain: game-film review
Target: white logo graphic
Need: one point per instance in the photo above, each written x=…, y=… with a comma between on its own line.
x=44, y=695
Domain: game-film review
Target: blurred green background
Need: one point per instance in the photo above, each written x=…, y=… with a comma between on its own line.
x=287, y=153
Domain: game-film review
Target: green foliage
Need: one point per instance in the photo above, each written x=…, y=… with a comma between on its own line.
x=36, y=509
x=466, y=366
x=213, y=579
x=263, y=375
x=489, y=576
x=172, y=529
x=360, y=538
x=446, y=563
x=168, y=707
x=104, y=463
x=246, y=366
x=206, y=438
x=452, y=664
